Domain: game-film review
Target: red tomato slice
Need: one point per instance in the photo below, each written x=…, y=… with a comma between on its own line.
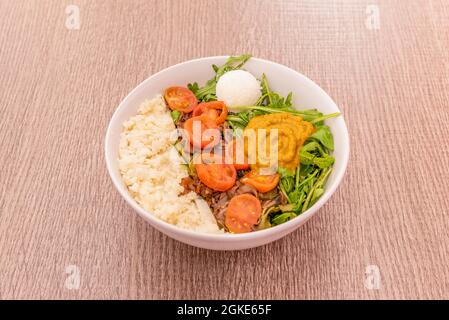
x=214, y=173
x=243, y=213
x=200, y=109
x=211, y=109
x=263, y=183
x=181, y=99
x=238, y=166
x=205, y=140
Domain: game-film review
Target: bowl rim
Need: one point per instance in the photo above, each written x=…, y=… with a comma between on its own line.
x=228, y=237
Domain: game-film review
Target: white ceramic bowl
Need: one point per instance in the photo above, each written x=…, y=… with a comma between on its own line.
x=306, y=94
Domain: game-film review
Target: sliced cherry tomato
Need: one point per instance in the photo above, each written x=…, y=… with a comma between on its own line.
x=201, y=109
x=243, y=213
x=206, y=140
x=238, y=166
x=263, y=183
x=214, y=173
x=181, y=99
x=211, y=109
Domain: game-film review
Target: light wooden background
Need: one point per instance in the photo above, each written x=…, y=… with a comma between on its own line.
x=59, y=88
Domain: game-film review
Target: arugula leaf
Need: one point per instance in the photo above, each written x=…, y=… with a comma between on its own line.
x=181, y=152
x=308, y=152
x=283, y=217
x=318, y=192
x=324, y=135
x=272, y=99
x=286, y=181
x=313, y=153
x=264, y=221
x=239, y=120
x=324, y=162
x=307, y=115
x=319, y=120
x=275, y=215
x=176, y=116
x=317, y=189
x=194, y=87
x=304, y=187
x=207, y=93
x=283, y=172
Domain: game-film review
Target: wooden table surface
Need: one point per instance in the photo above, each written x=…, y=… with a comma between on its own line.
x=384, y=233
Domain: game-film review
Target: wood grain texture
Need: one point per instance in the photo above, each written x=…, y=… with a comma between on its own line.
x=59, y=88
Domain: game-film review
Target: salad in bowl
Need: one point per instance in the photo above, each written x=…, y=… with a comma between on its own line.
x=227, y=157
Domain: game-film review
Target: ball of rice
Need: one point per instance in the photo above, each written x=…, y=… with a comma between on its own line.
x=238, y=88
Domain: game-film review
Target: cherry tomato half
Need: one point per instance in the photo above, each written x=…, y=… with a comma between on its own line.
x=203, y=139
x=263, y=183
x=181, y=99
x=214, y=173
x=241, y=165
x=211, y=109
x=243, y=213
